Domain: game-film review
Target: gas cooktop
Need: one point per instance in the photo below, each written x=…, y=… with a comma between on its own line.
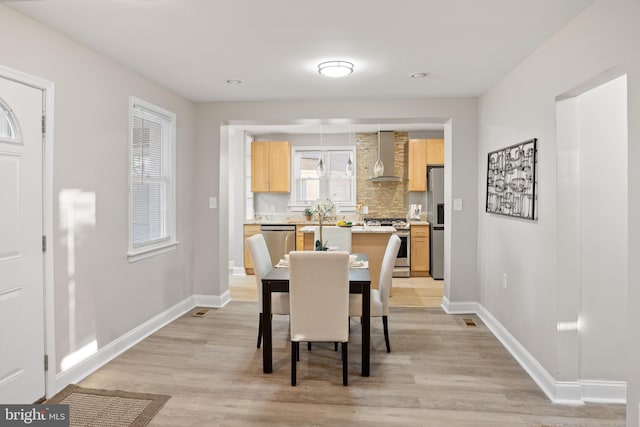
x=398, y=223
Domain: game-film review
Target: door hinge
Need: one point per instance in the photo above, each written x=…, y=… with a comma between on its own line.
x=44, y=127
x=44, y=243
x=46, y=362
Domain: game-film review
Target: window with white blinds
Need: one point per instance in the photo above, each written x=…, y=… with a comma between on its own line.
x=152, y=180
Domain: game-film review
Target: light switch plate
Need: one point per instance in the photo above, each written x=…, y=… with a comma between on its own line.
x=213, y=202
x=457, y=204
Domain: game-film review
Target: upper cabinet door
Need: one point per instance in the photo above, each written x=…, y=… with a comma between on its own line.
x=435, y=151
x=417, y=169
x=270, y=166
x=280, y=164
x=259, y=166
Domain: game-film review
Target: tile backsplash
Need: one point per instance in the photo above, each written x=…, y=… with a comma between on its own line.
x=383, y=199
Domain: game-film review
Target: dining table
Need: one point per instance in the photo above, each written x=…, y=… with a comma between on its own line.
x=277, y=280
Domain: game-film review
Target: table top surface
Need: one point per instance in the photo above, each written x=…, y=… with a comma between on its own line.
x=355, y=274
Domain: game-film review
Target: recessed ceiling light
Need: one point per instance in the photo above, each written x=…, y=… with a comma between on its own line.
x=234, y=82
x=335, y=68
x=418, y=75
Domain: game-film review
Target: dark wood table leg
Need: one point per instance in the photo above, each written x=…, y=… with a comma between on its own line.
x=366, y=329
x=267, y=364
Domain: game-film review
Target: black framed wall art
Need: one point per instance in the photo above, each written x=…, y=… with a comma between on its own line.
x=511, y=180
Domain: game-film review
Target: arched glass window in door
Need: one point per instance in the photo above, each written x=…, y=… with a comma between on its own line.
x=9, y=129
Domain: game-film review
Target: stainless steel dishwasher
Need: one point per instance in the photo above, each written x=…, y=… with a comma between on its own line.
x=281, y=239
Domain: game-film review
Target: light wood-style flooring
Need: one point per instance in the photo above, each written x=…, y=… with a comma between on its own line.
x=440, y=372
x=406, y=292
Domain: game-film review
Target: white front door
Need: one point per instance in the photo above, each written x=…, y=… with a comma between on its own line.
x=22, y=374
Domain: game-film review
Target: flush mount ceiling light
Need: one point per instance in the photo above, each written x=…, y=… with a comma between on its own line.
x=335, y=68
x=418, y=75
x=234, y=82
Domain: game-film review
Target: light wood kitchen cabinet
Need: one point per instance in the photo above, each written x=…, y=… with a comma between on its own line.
x=249, y=230
x=423, y=152
x=419, y=250
x=417, y=167
x=435, y=151
x=270, y=166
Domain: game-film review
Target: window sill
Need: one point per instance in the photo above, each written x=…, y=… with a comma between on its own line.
x=148, y=252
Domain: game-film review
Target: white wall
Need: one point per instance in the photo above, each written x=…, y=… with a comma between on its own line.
x=104, y=296
x=521, y=106
x=211, y=246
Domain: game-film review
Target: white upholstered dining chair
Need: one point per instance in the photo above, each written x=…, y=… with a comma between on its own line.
x=259, y=253
x=319, y=302
x=380, y=296
x=335, y=237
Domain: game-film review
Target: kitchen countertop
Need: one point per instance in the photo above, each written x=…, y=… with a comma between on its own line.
x=290, y=221
x=357, y=229
x=302, y=221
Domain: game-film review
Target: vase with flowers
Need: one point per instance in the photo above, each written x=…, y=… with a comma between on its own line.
x=324, y=208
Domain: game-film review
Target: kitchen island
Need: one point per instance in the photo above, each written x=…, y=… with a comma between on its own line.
x=367, y=240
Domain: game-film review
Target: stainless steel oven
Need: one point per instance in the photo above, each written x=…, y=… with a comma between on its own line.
x=402, y=267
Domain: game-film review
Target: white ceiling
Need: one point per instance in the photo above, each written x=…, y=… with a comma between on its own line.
x=274, y=46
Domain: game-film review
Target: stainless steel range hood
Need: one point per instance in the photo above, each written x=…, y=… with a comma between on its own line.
x=387, y=154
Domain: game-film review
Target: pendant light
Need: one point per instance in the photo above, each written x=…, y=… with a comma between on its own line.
x=378, y=167
x=349, y=168
x=320, y=167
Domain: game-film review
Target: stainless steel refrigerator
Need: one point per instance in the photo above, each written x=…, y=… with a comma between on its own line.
x=435, y=216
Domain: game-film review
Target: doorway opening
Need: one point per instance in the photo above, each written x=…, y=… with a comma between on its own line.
x=592, y=232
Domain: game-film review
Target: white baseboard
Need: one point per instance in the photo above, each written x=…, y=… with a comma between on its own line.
x=562, y=392
x=238, y=271
x=214, y=301
x=118, y=346
x=604, y=391
x=459, y=307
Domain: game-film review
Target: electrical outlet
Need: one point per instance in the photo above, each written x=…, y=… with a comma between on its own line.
x=504, y=280
x=213, y=202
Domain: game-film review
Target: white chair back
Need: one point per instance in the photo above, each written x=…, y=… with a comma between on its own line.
x=262, y=265
x=386, y=271
x=261, y=259
x=335, y=237
x=319, y=296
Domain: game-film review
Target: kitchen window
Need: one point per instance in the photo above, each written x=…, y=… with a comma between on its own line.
x=336, y=184
x=152, y=227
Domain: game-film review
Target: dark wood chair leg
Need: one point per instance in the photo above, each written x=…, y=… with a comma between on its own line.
x=309, y=346
x=386, y=333
x=294, y=358
x=259, y=329
x=345, y=365
x=335, y=346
